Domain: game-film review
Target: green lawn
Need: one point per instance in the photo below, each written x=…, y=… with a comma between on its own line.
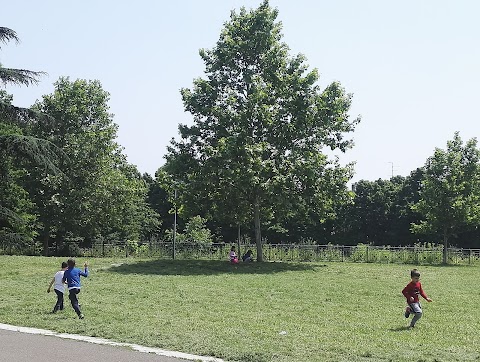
x=330, y=312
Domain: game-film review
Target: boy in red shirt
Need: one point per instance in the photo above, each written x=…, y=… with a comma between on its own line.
x=411, y=292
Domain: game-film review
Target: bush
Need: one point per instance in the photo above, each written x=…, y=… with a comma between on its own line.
x=69, y=249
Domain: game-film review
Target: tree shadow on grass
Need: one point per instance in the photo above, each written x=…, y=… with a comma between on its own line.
x=450, y=265
x=400, y=329
x=206, y=267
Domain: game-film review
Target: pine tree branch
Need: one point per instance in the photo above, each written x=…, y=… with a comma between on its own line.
x=7, y=35
x=40, y=151
x=19, y=76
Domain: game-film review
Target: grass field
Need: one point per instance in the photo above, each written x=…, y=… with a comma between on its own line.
x=330, y=312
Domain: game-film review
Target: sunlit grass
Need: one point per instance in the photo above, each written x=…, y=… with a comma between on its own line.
x=256, y=312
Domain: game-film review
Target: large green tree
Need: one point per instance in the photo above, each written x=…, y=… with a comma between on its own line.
x=98, y=193
x=450, y=192
x=17, y=218
x=16, y=215
x=261, y=122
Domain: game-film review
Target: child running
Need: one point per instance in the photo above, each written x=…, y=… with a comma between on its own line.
x=411, y=292
x=59, y=287
x=72, y=276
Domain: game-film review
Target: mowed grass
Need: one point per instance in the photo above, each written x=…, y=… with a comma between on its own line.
x=257, y=312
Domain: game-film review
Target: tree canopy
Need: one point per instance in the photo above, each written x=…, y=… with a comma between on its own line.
x=261, y=123
x=16, y=218
x=450, y=191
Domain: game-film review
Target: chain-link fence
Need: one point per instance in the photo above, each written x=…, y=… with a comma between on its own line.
x=417, y=255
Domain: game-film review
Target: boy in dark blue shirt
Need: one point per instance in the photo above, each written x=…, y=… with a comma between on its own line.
x=72, y=276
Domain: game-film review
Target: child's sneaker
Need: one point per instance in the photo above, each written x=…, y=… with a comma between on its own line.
x=407, y=312
x=81, y=316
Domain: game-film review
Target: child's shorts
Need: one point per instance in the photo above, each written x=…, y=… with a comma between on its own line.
x=415, y=308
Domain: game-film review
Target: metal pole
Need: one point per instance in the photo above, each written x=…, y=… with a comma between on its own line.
x=175, y=225
x=238, y=241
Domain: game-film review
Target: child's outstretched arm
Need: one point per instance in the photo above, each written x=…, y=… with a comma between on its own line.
x=50, y=286
x=85, y=272
x=422, y=293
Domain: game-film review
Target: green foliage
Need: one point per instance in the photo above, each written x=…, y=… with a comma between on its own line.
x=132, y=247
x=17, y=218
x=158, y=208
x=450, y=193
x=260, y=123
x=98, y=193
x=195, y=232
x=380, y=212
x=70, y=249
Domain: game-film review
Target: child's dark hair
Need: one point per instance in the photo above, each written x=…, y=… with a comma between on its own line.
x=64, y=264
x=415, y=273
x=71, y=262
x=233, y=247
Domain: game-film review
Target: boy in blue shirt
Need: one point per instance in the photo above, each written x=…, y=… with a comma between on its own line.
x=72, y=277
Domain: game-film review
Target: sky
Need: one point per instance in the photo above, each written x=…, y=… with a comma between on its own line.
x=412, y=66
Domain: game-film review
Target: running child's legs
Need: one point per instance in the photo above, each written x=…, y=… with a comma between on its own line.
x=59, y=304
x=416, y=310
x=73, y=298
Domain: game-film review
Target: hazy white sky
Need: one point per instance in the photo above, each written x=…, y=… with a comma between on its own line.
x=413, y=66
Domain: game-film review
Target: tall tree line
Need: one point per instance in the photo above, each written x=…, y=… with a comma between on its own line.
x=64, y=179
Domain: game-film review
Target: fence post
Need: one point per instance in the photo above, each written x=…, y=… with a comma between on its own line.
x=367, y=254
x=469, y=256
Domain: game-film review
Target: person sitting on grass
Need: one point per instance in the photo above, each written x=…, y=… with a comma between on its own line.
x=72, y=277
x=233, y=256
x=247, y=257
x=411, y=292
x=59, y=287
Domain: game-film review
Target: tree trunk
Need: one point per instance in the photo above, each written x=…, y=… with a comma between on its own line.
x=445, y=246
x=46, y=239
x=238, y=242
x=258, y=233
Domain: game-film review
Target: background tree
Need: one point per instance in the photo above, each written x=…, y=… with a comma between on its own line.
x=402, y=215
x=450, y=193
x=17, y=217
x=151, y=227
x=16, y=209
x=381, y=212
x=369, y=213
x=98, y=193
x=260, y=124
